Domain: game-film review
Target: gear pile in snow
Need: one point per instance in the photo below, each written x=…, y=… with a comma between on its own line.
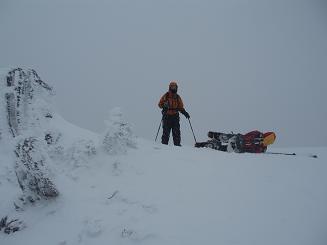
x=223, y=142
x=254, y=141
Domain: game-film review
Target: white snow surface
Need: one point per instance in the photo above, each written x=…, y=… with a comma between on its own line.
x=157, y=194
x=115, y=188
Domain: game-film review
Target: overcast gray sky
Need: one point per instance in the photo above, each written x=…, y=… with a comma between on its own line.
x=241, y=64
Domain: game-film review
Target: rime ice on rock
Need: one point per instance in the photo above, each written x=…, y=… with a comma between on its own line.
x=31, y=171
x=27, y=102
x=118, y=136
x=25, y=111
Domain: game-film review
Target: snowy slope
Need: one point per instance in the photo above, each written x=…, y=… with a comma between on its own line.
x=115, y=188
x=159, y=194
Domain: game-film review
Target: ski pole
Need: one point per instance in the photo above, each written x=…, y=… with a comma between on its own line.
x=158, y=130
x=291, y=154
x=192, y=129
x=281, y=153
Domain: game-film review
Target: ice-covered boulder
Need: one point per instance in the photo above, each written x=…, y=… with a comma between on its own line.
x=31, y=170
x=25, y=112
x=25, y=102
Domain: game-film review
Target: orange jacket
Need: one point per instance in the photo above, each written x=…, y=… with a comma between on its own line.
x=174, y=101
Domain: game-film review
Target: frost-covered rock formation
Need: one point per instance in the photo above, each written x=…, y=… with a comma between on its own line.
x=31, y=171
x=25, y=112
x=118, y=137
x=25, y=102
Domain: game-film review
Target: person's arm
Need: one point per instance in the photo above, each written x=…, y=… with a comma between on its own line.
x=181, y=108
x=162, y=102
x=180, y=104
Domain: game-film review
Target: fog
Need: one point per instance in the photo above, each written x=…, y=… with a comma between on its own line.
x=240, y=64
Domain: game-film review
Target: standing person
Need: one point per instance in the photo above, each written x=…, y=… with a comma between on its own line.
x=171, y=104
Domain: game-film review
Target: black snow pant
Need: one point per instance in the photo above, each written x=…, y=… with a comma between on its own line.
x=171, y=122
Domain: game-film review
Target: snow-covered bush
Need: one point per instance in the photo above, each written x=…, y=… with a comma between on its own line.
x=32, y=174
x=11, y=226
x=53, y=139
x=80, y=153
x=118, y=137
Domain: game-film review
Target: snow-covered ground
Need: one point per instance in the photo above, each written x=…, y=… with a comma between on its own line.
x=78, y=187
x=158, y=194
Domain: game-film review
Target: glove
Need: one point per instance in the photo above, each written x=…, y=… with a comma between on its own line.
x=185, y=113
x=165, y=108
x=164, y=111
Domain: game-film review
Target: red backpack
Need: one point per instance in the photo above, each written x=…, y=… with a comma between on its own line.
x=253, y=142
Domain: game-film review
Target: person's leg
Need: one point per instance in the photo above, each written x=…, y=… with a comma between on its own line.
x=176, y=131
x=166, y=127
x=214, y=135
x=200, y=144
x=239, y=143
x=222, y=148
x=213, y=144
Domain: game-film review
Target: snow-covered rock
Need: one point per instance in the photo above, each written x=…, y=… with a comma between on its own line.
x=25, y=103
x=31, y=170
x=25, y=112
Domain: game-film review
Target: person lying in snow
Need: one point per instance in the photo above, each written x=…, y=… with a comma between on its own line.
x=253, y=142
